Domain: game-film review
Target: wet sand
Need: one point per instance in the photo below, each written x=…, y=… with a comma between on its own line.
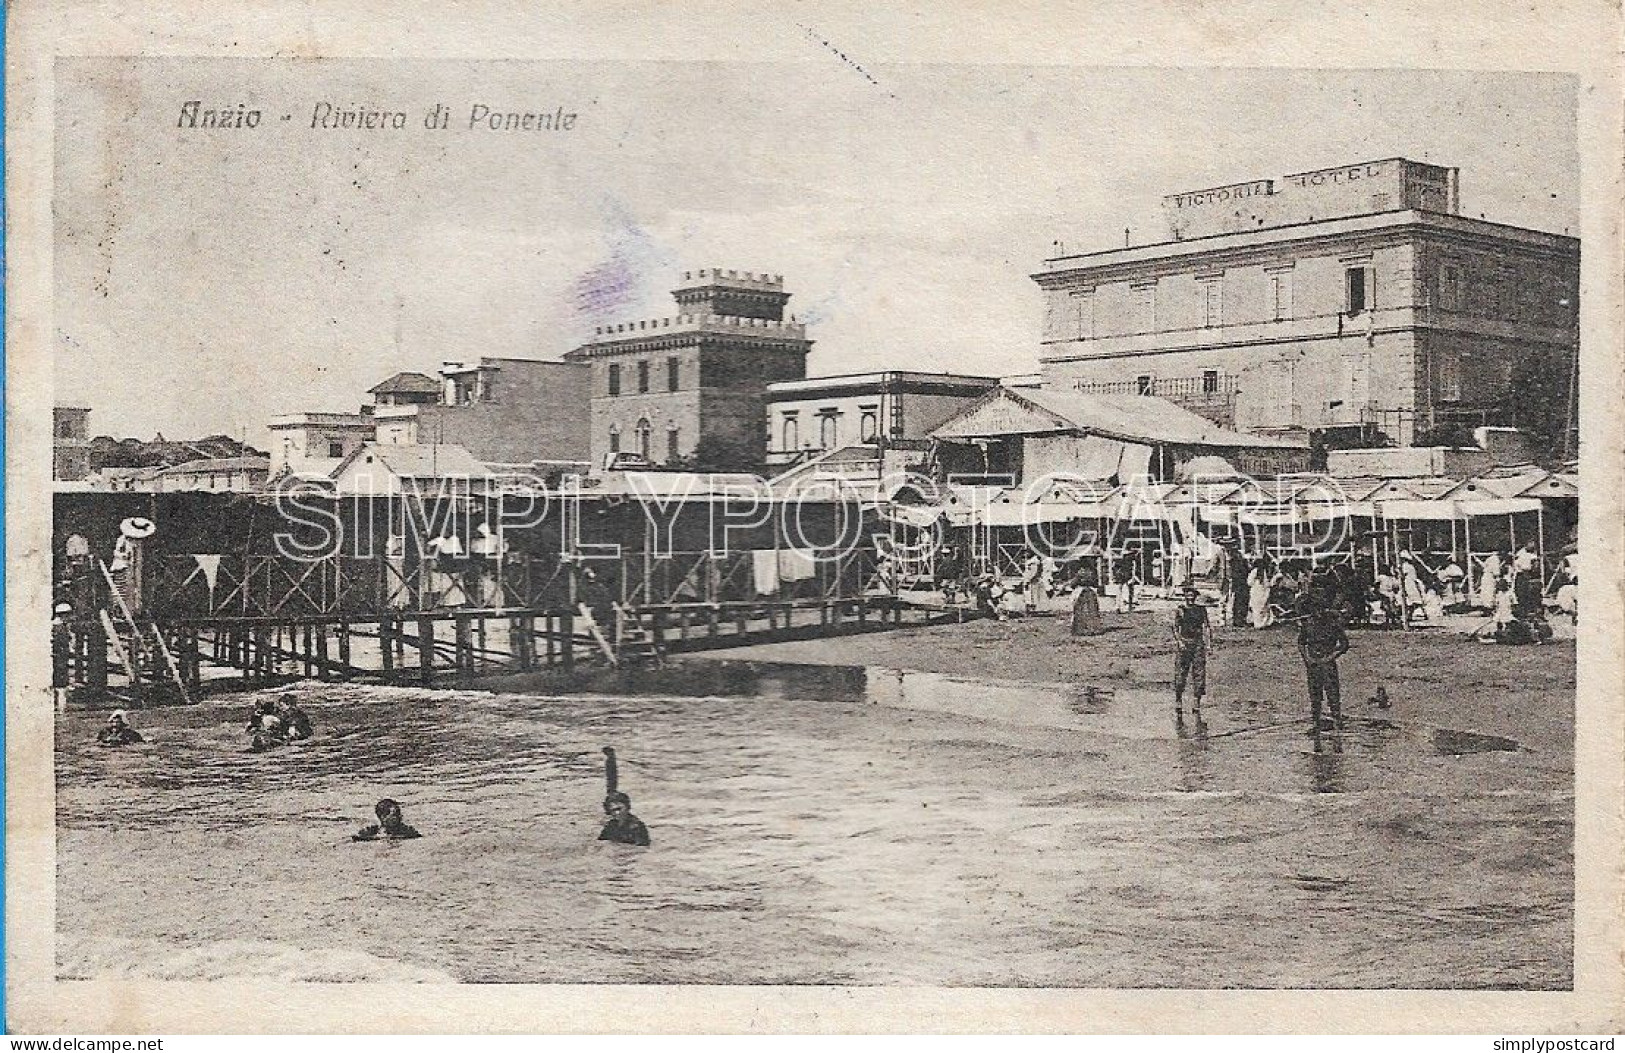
x=981, y=804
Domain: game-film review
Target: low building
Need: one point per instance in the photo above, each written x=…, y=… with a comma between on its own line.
x=314, y=443
x=692, y=388
x=218, y=474
x=806, y=418
x=1356, y=300
x=502, y=410
x=1016, y=438
x=390, y=470
x=70, y=443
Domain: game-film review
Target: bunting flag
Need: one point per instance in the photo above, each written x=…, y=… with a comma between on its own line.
x=209, y=564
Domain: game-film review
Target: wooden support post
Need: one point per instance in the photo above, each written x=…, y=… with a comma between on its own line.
x=426, y=648
x=386, y=644
x=463, y=655
x=321, y=652
x=567, y=639
x=344, y=648
x=658, y=630
x=96, y=660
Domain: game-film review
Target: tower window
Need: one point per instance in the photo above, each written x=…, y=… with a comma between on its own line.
x=673, y=450
x=674, y=369
x=614, y=439
x=1357, y=287
x=615, y=379
x=1145, y=308
x=1213, y=302
x=643, y=376
x=1280, y=295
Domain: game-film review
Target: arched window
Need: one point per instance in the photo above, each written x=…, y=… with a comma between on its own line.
x=828, y=427
x=791, y=439
x=614, y=439
x=645, y=435
x=674, y=446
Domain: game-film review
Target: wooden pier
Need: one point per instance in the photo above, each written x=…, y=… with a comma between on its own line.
x=207, y=603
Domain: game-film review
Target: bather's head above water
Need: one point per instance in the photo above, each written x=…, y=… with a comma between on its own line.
x=617, y=805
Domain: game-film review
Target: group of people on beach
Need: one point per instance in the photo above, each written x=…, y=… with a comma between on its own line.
x=1259, y=591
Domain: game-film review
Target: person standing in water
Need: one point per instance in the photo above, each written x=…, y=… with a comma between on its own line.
x=1321, y=642
x=391, y=824
x=296, y=723
x=118, y=731
x=623, y=827
x=1193, y=639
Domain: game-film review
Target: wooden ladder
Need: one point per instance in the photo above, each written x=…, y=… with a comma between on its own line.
x=139, y=634
x=634, y=640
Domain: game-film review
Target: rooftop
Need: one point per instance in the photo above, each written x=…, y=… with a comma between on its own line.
x=1133, y=418
x=716, y=276
x=897, y=377
x=1371, y=222
x=325, y=420
x=406, y=384
x=423, y=461
x=219, y=464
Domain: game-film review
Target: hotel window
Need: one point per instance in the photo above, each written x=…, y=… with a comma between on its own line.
x=1450, y=286
x=643, y=376
x=1145, y=308
x=1280, y=295
x=1210, y=381
x=829, y=427
x=1143, y=384
x=1359, y=290
x=791, y=438
x=674, y=373
x=1083, y=315
x=1212, y=302
x=868, y=424
x=673, y=452
x=614, y=380
x=1450, y=376
x=614, y=439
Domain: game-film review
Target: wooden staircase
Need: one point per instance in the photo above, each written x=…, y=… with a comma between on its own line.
x=133, y=637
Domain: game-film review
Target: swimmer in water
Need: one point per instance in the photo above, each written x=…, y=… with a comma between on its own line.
x=391, y=824
x=118, y=731
x=623, y=827
x=295, y=721
x=265, y=727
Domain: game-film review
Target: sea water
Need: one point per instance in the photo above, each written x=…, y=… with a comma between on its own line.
x=814, y=824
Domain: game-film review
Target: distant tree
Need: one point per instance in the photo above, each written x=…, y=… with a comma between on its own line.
x=1537, y=401
x=721, y=453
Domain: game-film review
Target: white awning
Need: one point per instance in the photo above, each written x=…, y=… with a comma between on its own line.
x=1430, y=510
x=1499, y=506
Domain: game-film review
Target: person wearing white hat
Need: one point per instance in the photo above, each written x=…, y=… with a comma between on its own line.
x=118, y=731
x=61, y=654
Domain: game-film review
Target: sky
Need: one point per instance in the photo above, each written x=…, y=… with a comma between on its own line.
x=206, y=280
